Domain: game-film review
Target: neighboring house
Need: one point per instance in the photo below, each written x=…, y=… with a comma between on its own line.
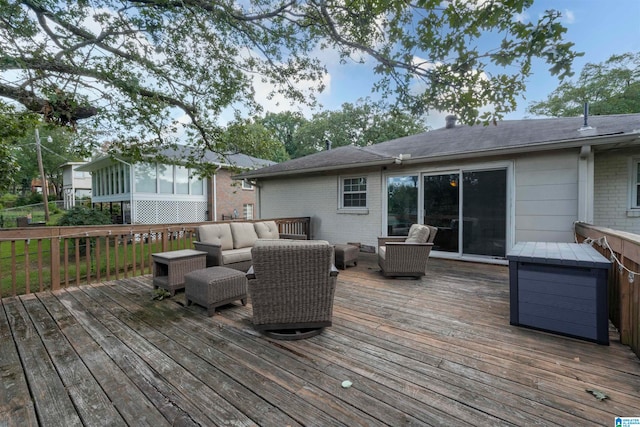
x=75, y=184
x=485, y=187
x=152, y=193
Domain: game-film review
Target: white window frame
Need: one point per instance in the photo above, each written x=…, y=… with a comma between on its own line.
x=246, y=185
x=247, y=210
x=634, y=183
x=343, y=193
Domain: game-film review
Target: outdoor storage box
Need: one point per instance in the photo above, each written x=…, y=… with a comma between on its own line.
x=561, y=288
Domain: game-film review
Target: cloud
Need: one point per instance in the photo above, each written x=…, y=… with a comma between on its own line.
x=568, y=17
x=521, y=17
x=276, y=102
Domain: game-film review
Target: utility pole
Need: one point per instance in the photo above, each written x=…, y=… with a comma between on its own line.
x=45, y=190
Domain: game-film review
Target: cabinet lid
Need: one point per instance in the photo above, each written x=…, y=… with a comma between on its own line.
x=569, y=254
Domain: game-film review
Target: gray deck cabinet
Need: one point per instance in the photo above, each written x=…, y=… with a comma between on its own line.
x=560, y=288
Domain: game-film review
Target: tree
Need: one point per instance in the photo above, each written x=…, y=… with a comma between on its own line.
x=611, y=87
x=283, y=127
x=64, y=147
x=364, y=123
x=131, y=67
x=249, y=137
x=13, y=125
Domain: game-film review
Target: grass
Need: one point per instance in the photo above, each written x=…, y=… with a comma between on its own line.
x=73, y=270
x=8, y=217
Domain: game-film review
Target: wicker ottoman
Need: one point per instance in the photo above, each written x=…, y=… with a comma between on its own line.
x=345, y=254
x=215, y=286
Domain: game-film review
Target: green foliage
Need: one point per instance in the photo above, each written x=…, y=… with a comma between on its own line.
x=81, y=215
x=611, y=87
x=13, y=125
x=283, y=126
x=160, y=294
x=252, y=138
x=127, y=68
x=364, y=123
x=64, y=146
x=30, y=198
x=8, y=200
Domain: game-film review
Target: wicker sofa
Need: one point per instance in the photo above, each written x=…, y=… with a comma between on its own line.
x=229, y=244
x=292, y=285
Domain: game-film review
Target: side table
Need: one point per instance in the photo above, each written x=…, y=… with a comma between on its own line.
x=169, y=268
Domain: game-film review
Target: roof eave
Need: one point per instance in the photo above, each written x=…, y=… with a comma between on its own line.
x=382, y=162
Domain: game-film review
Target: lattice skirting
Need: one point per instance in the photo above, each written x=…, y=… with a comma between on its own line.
x=169, y=212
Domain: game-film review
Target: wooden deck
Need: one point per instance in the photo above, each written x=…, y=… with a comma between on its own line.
x=439, y=351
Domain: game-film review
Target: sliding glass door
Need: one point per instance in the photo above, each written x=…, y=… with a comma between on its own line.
x=484, y=210
x=442, y=209
x=470, y=210
x=402, y=204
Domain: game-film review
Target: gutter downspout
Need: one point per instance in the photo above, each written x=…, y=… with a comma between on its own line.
x=585, y=184
x=214, y=184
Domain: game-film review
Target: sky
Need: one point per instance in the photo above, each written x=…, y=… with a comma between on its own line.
x=599, y=28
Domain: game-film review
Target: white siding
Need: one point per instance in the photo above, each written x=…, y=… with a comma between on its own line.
x=546, y=197
x=612, y=192
x=317, y=197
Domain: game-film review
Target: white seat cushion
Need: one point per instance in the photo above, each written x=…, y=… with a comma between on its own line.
x=382, y=252
x=217, y=234
x=267, y=230
x=418, y=234
x=244, y=234
x=233, y=256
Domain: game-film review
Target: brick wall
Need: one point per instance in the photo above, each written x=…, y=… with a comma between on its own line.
x=612, y=191
x=230, y=195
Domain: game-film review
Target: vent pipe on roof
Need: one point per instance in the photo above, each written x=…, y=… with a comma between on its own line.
x=586, y=115
x=450, y=121
x=327, y=144
x=586, y=129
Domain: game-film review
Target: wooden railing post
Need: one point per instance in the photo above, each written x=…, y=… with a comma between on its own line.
x=54, y=266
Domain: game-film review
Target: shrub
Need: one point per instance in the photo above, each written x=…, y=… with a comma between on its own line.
x=53, y=208
x=82, y=215
x=34, y=198
x=8, y=200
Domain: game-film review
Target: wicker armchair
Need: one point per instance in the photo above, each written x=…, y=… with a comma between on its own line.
x=398, y=257
x=291, y=285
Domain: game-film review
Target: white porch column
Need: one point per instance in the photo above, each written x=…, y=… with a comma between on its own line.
x=585, y=184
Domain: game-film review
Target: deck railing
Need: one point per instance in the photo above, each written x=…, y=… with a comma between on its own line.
x=34, y=259
x=624, y=285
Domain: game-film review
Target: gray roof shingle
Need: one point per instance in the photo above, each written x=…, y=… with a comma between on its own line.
x=239, y=160
x=460, y=140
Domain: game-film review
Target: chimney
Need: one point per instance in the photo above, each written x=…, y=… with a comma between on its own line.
x=327, y=144
x=450, y=121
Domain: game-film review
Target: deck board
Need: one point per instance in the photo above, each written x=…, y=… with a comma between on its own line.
x=436, y=351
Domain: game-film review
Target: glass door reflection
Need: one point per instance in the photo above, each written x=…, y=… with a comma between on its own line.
x=442, y=209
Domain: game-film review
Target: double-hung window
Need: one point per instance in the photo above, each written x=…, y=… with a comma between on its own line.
x=247, y=211
x=354, y=193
